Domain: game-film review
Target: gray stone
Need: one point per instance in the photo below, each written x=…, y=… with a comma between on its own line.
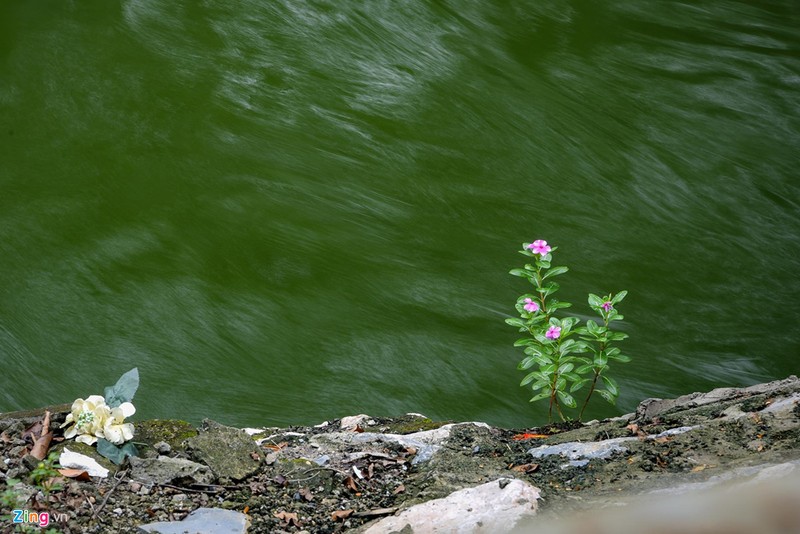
x=496, y=506
x=576, y=451
x=166, y=470
x=202, y=521
x=230, y=452
x=650, y=408
x=672, y=432
x=426, y=443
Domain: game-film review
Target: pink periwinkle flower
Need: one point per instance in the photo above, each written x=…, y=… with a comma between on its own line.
x=553, y=332
x=607, y=306
x=530, y=306
x=540, y=246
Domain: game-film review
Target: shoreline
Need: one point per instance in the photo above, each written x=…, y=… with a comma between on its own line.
x=350, y=474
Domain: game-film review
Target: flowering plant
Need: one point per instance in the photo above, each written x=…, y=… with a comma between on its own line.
x=550, y=344
x=101, y=419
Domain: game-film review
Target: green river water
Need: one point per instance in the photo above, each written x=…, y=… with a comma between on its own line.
x=289, y=211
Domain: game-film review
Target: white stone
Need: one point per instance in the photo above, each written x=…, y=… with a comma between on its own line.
x=75, y=460
x=496, y=506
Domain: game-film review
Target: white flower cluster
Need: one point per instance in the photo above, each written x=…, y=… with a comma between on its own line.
x=93, y=418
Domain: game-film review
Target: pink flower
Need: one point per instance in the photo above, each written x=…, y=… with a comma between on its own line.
x=531, y=306
x=553, y=332
x=539, y=247
x=607, y=306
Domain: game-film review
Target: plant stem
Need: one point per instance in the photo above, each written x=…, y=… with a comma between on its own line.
x=602, y=346
x=589, y=396
x=539, y=281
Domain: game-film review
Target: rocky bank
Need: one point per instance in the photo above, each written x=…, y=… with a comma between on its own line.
x=733, y=451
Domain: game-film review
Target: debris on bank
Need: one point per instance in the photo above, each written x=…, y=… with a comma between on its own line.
x=410, y=474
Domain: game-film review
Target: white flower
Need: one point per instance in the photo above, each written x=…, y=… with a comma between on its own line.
x=115, y=430
x=87, y=418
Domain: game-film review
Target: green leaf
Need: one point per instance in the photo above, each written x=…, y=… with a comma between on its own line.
x=554, y=304
x=549, y=369
x=570, y=321
x=607, y=395
x=521, y=273
x=617, y=336
x=620, y=358
x=526, y=363
x=539, y=385
x=619, y=296
x=532, y=350
x=583, y=369
x=579, y=384
x=524, y=341
x=541, y=377
x=555, y=271
x=572, y=377
x=124, y=389
x=600, y=359
x=561, y=383
x=566, y=399
x=595, y=301
x=540, y=396
x=530, y=377
x=116, y=453
x=565, y=368
x=611, y=385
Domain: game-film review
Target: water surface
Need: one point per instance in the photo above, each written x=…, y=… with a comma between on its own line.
x=284, y=212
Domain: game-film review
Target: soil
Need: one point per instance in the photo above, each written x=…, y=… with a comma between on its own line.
x=295, y=490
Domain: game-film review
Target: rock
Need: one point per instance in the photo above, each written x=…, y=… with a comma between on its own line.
x=426, y=443
x=17, y=496
x=351, y=422
x=202, y=521
x=166, y=470
x=30, y=462
x=577, y=451
x=496, y=506
x=170, y=431
x=650, y=408
x=763, y=499
x=229, y=452
x=25, y=418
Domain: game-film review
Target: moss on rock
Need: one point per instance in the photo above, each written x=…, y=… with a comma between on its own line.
x=171, y=431
x=409, y=423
